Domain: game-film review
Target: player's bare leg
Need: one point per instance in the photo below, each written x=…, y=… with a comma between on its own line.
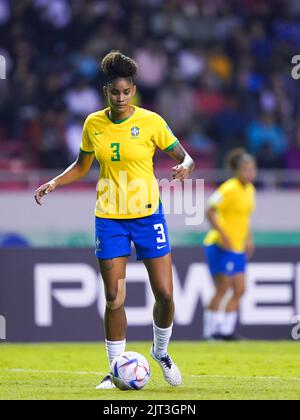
x=212, y=314
x=239, y=287
x=115, y=323
x=222, y=283
x=160, y=275
x=231, y=314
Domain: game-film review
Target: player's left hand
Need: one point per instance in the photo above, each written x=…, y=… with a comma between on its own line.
x=43, y=190
x=180, y=172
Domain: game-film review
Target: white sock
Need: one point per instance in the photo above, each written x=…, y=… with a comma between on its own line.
x=228, y=326
x=114, y=349
x=216, y=322
x=207, y=323
x=161, y=340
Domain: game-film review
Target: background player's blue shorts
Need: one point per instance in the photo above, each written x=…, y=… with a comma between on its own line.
x=149, y=234
x=221, y=261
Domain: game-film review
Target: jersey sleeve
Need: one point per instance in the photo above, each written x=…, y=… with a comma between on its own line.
x=220, y=199
x=164, y=137
x=86, y=143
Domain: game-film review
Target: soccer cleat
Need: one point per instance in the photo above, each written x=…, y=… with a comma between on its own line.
x=106, y=383
x=217, y=336
x=170, y=371
x=230, y=337
x=226, y=337
x=212, y=338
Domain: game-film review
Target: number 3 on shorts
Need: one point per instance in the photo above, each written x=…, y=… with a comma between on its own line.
x=160, y=232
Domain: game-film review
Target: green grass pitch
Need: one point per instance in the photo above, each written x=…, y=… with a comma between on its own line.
x=244, y=370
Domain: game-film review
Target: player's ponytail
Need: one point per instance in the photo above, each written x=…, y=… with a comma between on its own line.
x=115, y=65
x=236, y=157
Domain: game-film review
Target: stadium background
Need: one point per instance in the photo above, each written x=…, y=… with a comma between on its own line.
x=220, y=72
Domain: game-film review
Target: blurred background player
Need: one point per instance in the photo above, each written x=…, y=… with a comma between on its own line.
x=123, y=138
x=229, y=243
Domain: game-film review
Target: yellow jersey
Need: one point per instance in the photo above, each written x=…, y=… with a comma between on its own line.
x=127, y=187
x=234, y=203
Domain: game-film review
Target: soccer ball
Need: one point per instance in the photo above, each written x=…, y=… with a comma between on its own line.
x=130, y=371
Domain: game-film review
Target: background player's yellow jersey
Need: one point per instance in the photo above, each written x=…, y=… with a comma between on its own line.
x=234, y=203
x=127, y=187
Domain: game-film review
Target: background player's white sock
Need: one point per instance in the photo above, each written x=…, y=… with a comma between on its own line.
x=228, y=326
x=114, y=349
x=161, y=340
x=216, y=322
x=207, y=323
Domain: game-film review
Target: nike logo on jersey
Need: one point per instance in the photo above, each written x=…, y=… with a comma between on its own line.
x=160, y=247
x=100, y=132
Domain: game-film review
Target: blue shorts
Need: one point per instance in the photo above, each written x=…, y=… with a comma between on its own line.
x=221, y=261
x=149, y=234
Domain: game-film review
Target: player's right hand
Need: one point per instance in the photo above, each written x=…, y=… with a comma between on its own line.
x=225, y=242
x=44, y=190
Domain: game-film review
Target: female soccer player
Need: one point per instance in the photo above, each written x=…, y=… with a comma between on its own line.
x=229, y=243
x=124, y=138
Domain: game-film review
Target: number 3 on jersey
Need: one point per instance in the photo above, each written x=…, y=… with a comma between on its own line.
x=161, y=238
x=116, y=152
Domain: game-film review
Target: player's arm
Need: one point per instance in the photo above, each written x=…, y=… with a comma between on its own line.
x=211, y=214
x=185, y=162
x=77, y=170
x=250, y=247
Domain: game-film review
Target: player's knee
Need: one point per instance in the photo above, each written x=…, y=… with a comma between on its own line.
x=114, y=301
x=238, y=293
x=111, y=297
x=222, y=290
x=165, y=297
x=116, y=298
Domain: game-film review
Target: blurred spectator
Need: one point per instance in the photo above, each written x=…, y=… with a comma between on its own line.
x=73, y=137
x=199, y=141
x=56, y=12
x=260, y=45
x=191, y=63
x=267, y=158
x=228, y=126
x=209, y=98
x=266, y=139
x=231, y=60
x=82, y=99
x=52, y=147
x=4, y=11
x=220, y=63
x=169, y=21
x=153, y=66
x=228, y=22
x=292, y=155
x=175, y=104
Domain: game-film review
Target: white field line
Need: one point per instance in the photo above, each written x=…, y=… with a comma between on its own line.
x=55, y=372
x=275, y=378
x=70, y=372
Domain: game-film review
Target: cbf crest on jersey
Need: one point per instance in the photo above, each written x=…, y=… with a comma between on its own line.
x=135, y=132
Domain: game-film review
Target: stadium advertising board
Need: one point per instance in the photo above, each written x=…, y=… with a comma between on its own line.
x=56, y=295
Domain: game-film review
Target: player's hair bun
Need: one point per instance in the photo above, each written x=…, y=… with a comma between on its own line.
x=115, y=64
x=236, y=157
